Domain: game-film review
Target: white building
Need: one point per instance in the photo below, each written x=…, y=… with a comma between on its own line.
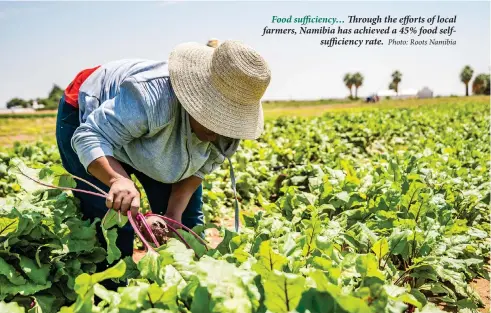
x=386, y=93
x=402, y=94
x=425, y=92
x=36, y=105
x=408, y=93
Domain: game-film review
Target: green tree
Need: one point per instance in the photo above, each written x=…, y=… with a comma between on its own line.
x=392, y=86
x=466, y=76
x=56, y=93
x=348, y=81
x=49, y=104
x=396, y=79
x=481, y=84
x=17, y=102
x=357, y=81
x=53, y=99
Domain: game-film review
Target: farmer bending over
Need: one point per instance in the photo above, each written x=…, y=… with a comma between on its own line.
x=168, y=123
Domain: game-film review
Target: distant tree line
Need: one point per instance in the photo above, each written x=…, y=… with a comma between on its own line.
x=50, y=103
x=356, y=80
x=480, y=84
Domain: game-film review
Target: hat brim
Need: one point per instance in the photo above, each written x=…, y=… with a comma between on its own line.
x=190, y=75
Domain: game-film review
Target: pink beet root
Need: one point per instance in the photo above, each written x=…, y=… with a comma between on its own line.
x=159, y=228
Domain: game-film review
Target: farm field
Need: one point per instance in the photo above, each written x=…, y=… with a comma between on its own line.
x=16, y=128
x=344, y=208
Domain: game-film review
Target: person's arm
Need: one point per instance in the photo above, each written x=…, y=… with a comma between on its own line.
x=123, y=194
x=115, y=123
x=112, y=125
x=181, y=193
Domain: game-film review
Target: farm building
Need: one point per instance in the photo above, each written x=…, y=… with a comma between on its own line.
x=403, y=94
x=406, y=93
x=36, y=105
x=386, y=93
x=425, y=92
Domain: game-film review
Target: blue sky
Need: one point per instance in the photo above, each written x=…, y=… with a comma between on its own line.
x=49, y=42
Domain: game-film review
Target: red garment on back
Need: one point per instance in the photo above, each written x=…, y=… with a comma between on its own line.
x=71, y=92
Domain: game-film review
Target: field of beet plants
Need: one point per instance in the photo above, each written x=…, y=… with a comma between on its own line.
x=378, y=211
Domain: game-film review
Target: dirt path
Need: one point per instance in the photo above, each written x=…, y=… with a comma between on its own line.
x=481, y=286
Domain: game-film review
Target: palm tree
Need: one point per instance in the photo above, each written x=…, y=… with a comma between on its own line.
x=357, y=81
x=396, y=79
x=480, y=85
x=348, y=81
x=392, y=86
x=466, y=76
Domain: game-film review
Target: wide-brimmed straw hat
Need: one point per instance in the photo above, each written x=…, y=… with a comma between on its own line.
x=221, y=87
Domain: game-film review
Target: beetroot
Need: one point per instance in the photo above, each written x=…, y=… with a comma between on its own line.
x=158, y=227
x=149, y=227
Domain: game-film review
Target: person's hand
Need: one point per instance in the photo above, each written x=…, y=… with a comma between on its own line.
x=123, y=196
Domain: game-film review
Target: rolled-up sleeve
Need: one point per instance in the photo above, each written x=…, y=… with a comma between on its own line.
x=115, y=123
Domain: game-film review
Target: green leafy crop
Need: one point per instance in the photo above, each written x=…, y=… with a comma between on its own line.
x=376, y=211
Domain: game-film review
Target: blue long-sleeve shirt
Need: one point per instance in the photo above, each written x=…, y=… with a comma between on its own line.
x=128, y=110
